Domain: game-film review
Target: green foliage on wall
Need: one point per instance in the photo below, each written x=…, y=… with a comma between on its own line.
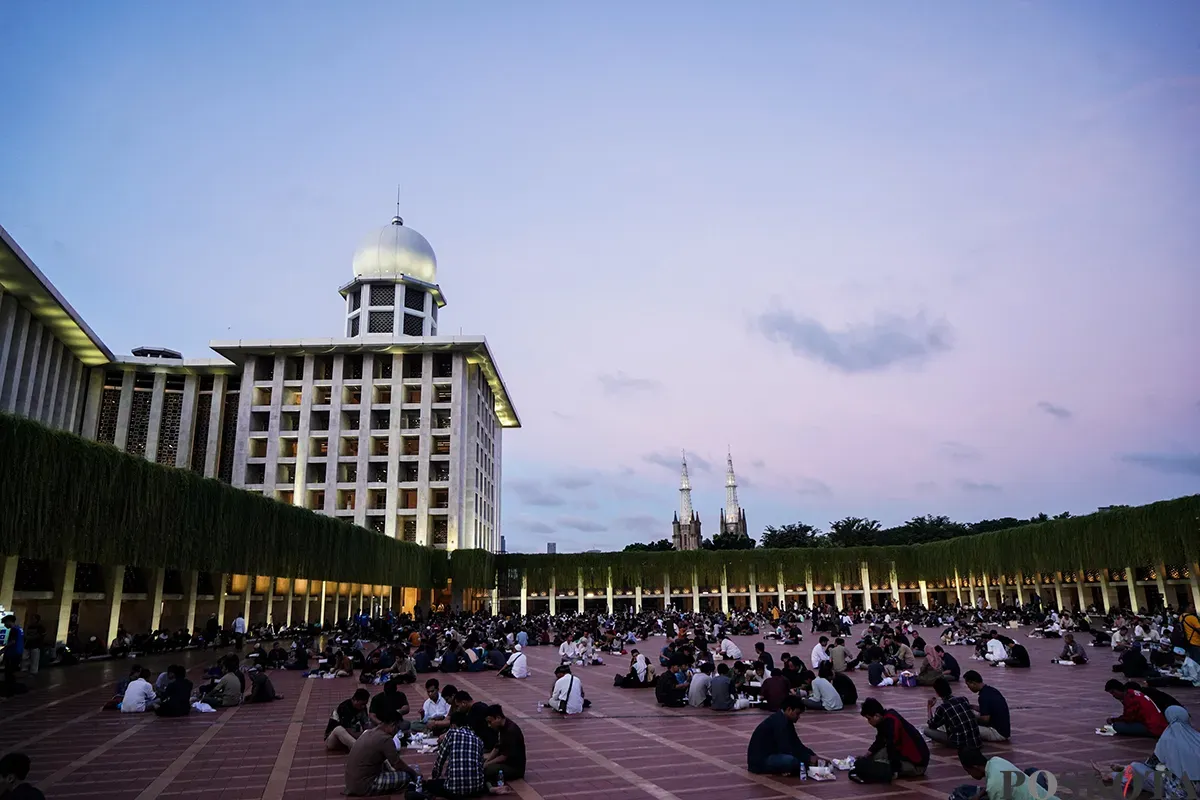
x=62, y=497
x=473, y=568
x=1166, y=532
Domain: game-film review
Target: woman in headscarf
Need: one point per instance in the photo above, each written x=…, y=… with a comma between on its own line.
x=931, y=669
x=1177, y=753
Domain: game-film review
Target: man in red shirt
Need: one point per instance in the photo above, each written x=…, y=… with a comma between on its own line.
x=1139, y=715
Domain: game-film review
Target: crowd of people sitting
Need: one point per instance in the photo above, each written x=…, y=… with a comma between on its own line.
x=697, y=663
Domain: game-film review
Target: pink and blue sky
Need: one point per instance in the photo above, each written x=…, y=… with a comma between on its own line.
x=903, y=258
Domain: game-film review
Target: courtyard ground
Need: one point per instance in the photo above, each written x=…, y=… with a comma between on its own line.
x=624, y=747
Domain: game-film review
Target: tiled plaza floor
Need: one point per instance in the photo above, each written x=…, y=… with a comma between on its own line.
x=624, y=747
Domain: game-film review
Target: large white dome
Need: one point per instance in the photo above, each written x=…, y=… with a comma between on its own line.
x=394, y=250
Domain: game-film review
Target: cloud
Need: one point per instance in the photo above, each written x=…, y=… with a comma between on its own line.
x=620, y=383
x=758, y=463
x=811, y=487
x=744, y=482
x=957, y=451
x=561, y=415
x=925, y=487
x=534, y=494
x=644, y=525
x=975, y=486
x=671, y=462
x=860, y=348
x=535, y=527
x=1169, y=463
x=573, y=482
x=1054, y=411
x=585, y=525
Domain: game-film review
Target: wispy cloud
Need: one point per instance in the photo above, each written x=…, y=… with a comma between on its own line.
x=620, y=383
x=758, y=463
x=860, y=348
x=957, y=451
x=1169, y=463
x=534, y=526
x=977, y=486
x=577, y=524
x=573, y=482
x=534, y=494
x=643, y=525
x=671, y=461
x=811, y=487
x=1054, y=410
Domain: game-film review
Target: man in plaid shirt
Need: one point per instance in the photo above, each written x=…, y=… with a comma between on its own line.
x=458, y=770
x=953, y=722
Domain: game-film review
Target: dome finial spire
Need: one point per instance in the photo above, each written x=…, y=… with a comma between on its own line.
x=397, y=220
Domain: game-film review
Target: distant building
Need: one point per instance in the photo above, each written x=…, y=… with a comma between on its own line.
x=685, y=529
x=551, y=548
x=733, y=516
x=503, y=544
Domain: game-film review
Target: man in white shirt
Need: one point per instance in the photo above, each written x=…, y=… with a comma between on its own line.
x=517, y=666
x=567, y=688
x=239, y=631
x=641, y=666
x=139, y=695
x=819, y=653
x=698, y=687
x=567, y=651
x=995, y=650
x=435, y=706
x=730, y=651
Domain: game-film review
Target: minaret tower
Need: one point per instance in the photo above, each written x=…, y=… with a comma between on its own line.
x=685, y=529
x=733, y=518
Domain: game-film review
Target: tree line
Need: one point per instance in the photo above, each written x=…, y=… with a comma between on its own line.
x=853, y=532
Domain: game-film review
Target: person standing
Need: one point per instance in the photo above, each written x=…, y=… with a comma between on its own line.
x=35, y=640
x=239, y=632
x=10, y=656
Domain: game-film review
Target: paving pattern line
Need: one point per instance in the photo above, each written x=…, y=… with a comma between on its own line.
x=176, y=767
x=92, y=755
x=650, y=788
x=277, y=783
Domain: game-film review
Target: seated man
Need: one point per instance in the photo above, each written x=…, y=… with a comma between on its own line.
x=139, y=695
x=348, y=721
x=899, y=750
x=14, y=769
x=721, y=689
x=822, y=696
x=952, y=722
x=516, y=666
x=391, y=701
x=668, y=691
x=994, y=721
x=1139, y=716
x=1002, y=779
x=507, y=758
x=176, y=698
x=567, y=696
x=436, y=707
x=774, y=747
x=374, y=765
x=458, y=770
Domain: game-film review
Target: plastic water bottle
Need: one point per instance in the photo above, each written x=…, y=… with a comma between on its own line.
x=500, y=778
x=803, y=772
x=539, y=708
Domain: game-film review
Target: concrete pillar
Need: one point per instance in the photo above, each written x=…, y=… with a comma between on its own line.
x=269, y=605
x=524, y=594
x=666, y=591
x=987, y=590
x=65, y=584
x=895, y=585
x=496, y=599
x=158, y=577
x=1161, y=579
x=695, y=592
x=810, y=596
x=1105, y=592
x=838, y=598
x=782, y=589
x=1194, y=580
x=753, y=590
x=8, y=580
x=190, y=600
x=219, y=592
x=579, y=593
x=291, y=596
x=609, y=593
x=1079, y=587
x=924, y=592
x=1058, y=591
x=322, y=609
x=553, y=595
x=724, y=590
x=1020, y=588
x=246, y=601
x=866, y=584
x=308, y=595
x=637, y=596
x=1037, y=587
x=114, y=591
x=957, y=586
x=1131, y=584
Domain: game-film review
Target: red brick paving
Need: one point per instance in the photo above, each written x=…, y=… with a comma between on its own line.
x=625, y=746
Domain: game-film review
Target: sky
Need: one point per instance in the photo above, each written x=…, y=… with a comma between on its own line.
x=897, y=258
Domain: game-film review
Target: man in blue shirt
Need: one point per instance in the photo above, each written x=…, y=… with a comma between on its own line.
x=14, y=649
x=775, y=748
x=995, y=724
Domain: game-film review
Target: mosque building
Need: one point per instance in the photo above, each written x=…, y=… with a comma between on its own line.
x=388, y=425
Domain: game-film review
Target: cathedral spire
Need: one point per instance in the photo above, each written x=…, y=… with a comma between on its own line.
x=685, y=494
x=732, y=511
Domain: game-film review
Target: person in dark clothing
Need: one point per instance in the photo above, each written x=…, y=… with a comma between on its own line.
x=477, y=720
x=762, y=655
x=507, y=755
x=775, y=748
x=668, y=690
x=14, y=769
x=1018, y=657
x=176, y=698
x=950, y=667
x=994, y=721
x=774, y=691
x=1157, y=696
x=845, y=688
x=1133, y=663
x=391, y=698
x=899, y=750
